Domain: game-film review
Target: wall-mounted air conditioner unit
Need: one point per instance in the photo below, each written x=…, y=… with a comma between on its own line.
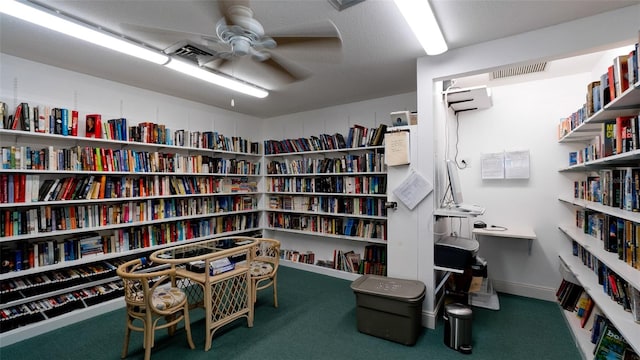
x=466, y=99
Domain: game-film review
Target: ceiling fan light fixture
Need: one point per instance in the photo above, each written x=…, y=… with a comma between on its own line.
x=217, y=79
x=424, y=25
x=54, y=21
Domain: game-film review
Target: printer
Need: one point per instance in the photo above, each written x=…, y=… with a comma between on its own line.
x=455, y=252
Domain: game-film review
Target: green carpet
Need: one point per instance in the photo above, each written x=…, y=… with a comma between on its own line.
x=316, y=319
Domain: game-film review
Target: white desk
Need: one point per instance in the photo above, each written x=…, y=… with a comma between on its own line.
x=510, y=232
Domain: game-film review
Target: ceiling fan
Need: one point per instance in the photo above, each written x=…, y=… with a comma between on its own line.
x=240, y=41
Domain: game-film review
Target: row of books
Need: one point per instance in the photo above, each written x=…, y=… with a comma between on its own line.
x=48, y=219
x=369, y=162
x=300, y=257
x=331, y=184
x=62, y=121
x=215, y=141
x=370, y=229
x=569, y=294
x=27, y=188
x=13, y=317
x=358, y=136
x=122, y=240
x=612, y=284
x=621, y=74
x=619, y=188
x=616, y=137
x=609, y=343
x=25, y=256
x=374, y=261
x=619, y=236
x=329, y=204
x=106, y=159
x=59, y=278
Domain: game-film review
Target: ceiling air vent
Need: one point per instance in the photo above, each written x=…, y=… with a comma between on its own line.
x=518, y=70
x=187, y=50
x=343, y=4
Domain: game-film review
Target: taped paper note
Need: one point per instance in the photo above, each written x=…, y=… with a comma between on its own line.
x=396, y=150
x=413, y=189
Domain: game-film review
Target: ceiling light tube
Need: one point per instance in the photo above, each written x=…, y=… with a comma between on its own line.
x=52, y=20
x=420, y=18
x=211, y=77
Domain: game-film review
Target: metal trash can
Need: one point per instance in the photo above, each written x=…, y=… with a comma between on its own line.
x=457, y=327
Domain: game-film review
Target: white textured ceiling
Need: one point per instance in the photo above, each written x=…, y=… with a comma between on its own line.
x=377, y=57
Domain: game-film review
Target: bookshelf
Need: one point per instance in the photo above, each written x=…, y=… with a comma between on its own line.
x=329, y=188
x=59, y=252
x=596, y=207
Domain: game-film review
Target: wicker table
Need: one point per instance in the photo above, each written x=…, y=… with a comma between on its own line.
x=225, y=296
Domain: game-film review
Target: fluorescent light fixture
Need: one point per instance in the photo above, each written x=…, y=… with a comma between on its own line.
x=54, y=21
x=211, y=77
x=420, y=18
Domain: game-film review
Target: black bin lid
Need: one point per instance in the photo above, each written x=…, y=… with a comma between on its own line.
x=401, y=289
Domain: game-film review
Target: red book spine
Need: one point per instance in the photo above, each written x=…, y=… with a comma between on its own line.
x=74, y=123
x=16, y=117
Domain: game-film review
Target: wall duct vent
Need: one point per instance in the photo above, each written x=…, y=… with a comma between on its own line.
x=519, y=70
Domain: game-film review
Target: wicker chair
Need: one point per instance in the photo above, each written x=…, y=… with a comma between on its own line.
x=152, y=296
x=264, y=267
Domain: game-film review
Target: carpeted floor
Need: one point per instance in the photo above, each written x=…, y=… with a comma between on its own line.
x=316, y=319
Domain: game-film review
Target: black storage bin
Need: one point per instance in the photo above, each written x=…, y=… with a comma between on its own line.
x=389, y=308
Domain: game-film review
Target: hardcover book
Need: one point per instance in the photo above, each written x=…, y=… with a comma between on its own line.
x=93, y=126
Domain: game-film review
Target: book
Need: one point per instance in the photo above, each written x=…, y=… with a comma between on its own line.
x=74, y=123
x=611, y=78
x=611, y=344
x=608, y=138
x=621, y=74
x=93, y=125
x=220, y=266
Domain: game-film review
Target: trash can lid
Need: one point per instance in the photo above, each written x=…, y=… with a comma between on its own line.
x=408, y=290
x=458, y=310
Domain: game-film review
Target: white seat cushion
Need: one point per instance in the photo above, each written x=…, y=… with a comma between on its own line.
x=260, y=268
x=167, y=297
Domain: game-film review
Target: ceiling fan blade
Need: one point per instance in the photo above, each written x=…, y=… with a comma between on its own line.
x=271, y=73
x=307, y=42
x=217, y=64
x=313, y=35
x=286, y=71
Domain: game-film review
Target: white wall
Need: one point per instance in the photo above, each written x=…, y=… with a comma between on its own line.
x=524, y=117
x=517, y=272
x=38, y=84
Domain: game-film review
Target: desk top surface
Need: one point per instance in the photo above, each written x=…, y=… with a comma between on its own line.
x=203, y=249
x=516, y=232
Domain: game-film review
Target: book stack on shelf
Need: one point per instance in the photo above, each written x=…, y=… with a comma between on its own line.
x=358, y=136
x=619, y=77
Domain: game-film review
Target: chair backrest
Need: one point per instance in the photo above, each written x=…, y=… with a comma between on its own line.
x=139, y=284
x=268, y=250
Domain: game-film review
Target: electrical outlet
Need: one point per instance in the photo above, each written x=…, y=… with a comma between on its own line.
x=465, y=163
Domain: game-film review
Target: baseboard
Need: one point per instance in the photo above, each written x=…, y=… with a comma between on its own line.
x=527, y=290
x=320, y=270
